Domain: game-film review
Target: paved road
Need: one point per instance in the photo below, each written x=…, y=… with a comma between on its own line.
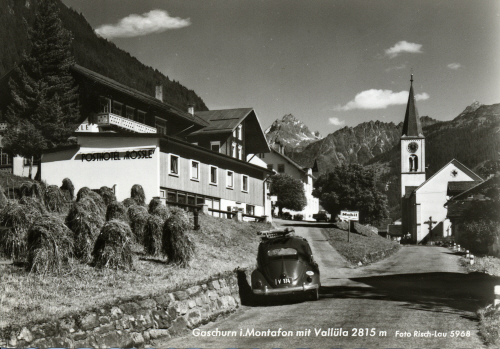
x=412, y=299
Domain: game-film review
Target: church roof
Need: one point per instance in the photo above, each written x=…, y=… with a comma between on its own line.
x=412, y=126
x=475, y=178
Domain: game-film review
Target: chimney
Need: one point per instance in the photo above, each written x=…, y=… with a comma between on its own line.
x=191, y=109
x=159, y=92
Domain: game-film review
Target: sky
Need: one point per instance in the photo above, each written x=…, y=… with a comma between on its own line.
x=329, y=63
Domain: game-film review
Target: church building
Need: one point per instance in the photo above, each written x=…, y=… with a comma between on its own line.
x=424, y=215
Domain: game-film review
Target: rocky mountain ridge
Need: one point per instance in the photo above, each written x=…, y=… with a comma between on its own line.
x=291, y=133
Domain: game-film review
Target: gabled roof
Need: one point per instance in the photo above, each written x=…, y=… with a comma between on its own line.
x=411, y=125
x=455, y=188
x=478, y=185
x=291, y=162
x=143, y=97
x=222, y=121
x=460, y=166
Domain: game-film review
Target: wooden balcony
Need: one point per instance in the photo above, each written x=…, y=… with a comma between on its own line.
x=110, y=119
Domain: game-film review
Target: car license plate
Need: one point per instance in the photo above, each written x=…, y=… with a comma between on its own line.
x=285, y=281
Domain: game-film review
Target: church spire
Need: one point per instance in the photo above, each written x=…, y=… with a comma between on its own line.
x=411, y=125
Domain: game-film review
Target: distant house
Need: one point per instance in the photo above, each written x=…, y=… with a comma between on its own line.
x=278, y=162
x=127, y=137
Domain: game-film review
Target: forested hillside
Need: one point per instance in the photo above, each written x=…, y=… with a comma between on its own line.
x=90, y=51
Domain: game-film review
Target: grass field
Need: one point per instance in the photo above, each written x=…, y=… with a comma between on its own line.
x=360, y=248
x=221, y=245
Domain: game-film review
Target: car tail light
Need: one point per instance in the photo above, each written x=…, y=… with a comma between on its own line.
x=258, y=284
x=309, y=279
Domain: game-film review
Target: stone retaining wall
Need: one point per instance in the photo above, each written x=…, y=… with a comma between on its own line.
x=136, y=322
x=378, y=255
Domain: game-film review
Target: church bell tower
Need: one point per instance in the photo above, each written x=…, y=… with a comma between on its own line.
x=412, y=147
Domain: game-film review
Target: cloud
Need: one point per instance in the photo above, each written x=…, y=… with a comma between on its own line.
x=454, y=66
x=155, y=21
x=336, y=121
x=379, y=99
x=397, y=67
x=403, y=46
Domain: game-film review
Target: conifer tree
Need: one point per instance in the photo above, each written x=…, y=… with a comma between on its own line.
x=43, y=110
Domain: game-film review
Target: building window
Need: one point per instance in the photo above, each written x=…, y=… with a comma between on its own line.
x=104, y=105
x=174, y=165
x=4, y=158
x=240, y=152
x=239, y=133
x=215, y=146
x=244, y=183
x=281, y=168
x=413, y=163
x=195, y=170
x=270, y=167
x=130, y=113
x=234, y=133
x=141, y=116
x=233, y=150
x=230, y=179
x=251, y=210
x=213, y=175
x=161, y=126
x=117, y=108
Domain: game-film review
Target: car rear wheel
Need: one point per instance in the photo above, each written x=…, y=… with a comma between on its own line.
x=314, y=294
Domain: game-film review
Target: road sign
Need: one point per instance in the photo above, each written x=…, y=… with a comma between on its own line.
x=349, y=215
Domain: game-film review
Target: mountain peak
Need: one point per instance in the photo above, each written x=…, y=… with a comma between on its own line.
x=291, y=132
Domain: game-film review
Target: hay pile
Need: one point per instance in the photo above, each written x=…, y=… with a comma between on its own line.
x=107, y=194
x=25, y=189
x=112, y=248
x=33, y=189
x=116, y=210
x=3, y=198
x=86, y=226
x=92, y=201
x=153, y=232
x=68, y=188
x=176, y=243
x=128, y=202
x=50, y=245
x=161, y=211
x=138, y=216
x=33, y=204
x=154, y=203
x=137, y=193
x=15, y=220
x=54, y=199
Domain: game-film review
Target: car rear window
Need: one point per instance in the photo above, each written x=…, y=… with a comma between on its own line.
x=283, y=252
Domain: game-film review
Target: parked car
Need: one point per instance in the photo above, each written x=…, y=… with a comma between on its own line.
x=286, y=215
x=321, y=216
x=285, y=265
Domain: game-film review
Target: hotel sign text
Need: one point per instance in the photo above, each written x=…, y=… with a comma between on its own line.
x=116, y=155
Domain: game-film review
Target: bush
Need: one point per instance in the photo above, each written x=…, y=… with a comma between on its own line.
x=298, y=217
x=50, y=245
x=112, y=248
x=68, y=187
x=489, y=325
x=18, y=218
x=153, y=231
x=55, y=200
x=286, y=215
x=86, y=226
x=107, y=194
x=94, y=201
x=138, y=216
x=116, y=210
x=153, y=204
x=137, y=193
x=3, y=198
x=478, y=236
x=176, y=243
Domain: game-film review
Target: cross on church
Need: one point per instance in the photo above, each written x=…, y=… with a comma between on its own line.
x=430, y=222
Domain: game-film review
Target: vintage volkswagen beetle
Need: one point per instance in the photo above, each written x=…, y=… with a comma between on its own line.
x=285, y=265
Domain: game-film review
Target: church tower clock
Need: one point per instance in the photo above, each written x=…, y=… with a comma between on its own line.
x=412, y=147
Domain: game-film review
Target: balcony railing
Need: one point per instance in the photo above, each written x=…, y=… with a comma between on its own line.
x=108, y=119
